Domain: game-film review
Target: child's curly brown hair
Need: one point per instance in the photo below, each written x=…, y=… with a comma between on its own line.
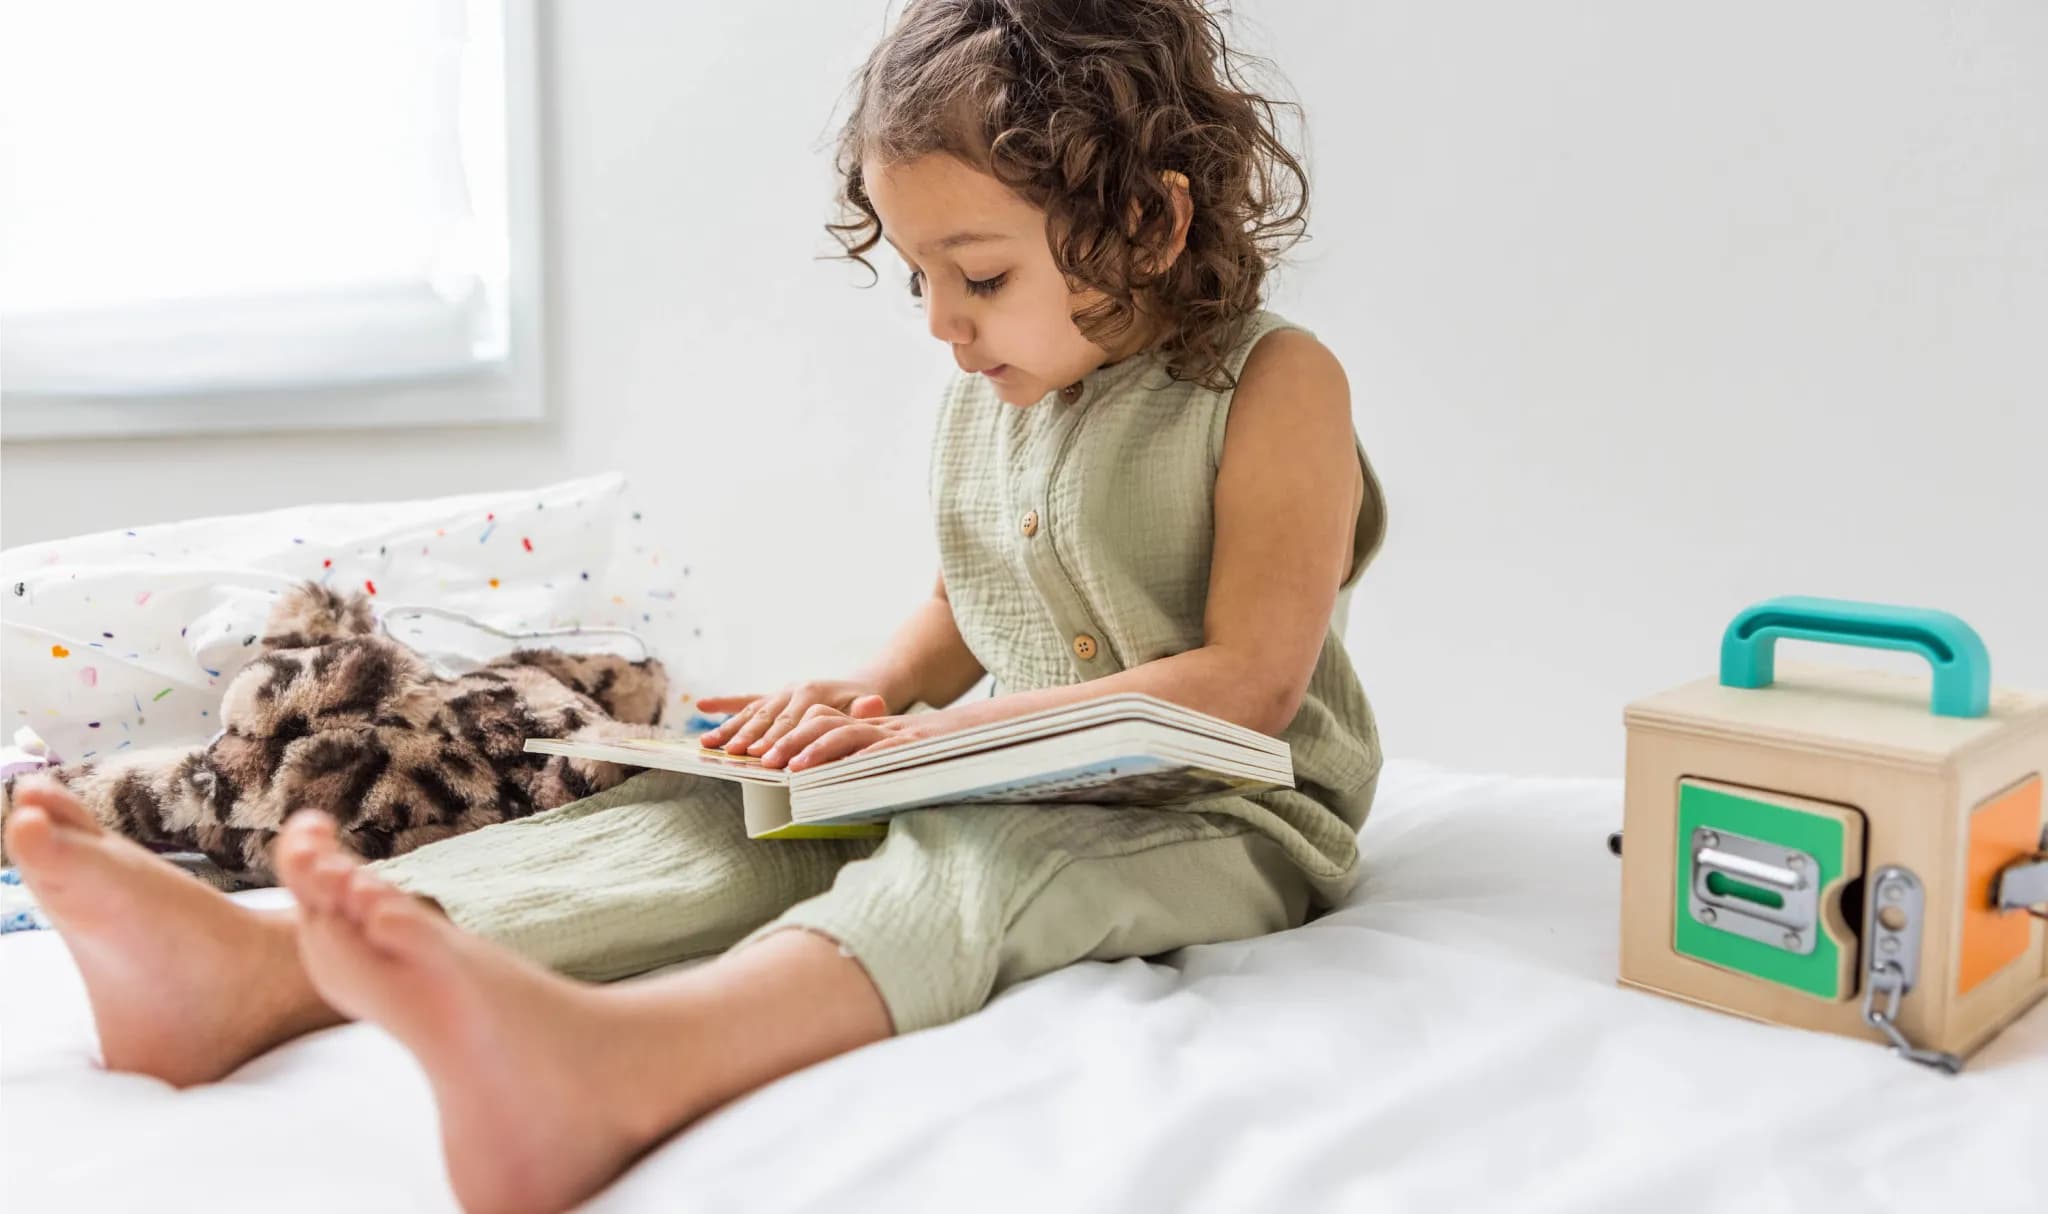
x=1080, y=107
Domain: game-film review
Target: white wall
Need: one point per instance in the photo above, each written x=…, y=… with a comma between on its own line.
x=1649, y=312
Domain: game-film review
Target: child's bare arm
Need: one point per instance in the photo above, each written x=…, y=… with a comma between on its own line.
x=925, y=662
x=1287, y=496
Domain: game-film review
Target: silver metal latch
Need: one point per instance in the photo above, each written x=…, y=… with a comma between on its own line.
x=2024, y=887
x=1893, y=916
x=1765, y=891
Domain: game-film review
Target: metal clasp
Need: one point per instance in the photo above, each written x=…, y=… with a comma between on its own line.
x=2024, y=887
x=1891, y=934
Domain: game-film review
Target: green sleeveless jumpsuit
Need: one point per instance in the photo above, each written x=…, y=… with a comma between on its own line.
x=1075, y=540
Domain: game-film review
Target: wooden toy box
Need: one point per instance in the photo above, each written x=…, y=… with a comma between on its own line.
x=1849, y=851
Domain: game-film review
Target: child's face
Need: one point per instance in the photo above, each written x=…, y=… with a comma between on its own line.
x=980, y=257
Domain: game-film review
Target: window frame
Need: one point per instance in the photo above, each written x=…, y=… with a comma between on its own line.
x=512, y=391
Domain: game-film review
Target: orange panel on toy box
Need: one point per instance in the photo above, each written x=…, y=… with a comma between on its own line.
x=2004, y=831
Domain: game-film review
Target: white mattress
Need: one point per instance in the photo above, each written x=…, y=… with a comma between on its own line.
x=1452, y=1040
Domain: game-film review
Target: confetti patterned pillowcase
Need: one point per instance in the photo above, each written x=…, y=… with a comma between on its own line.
x=127, y=638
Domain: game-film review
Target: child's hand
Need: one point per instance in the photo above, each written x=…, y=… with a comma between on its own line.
x=826, y=734
x=759, y=722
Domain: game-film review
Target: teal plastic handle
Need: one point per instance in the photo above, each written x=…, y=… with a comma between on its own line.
x=1962, y=666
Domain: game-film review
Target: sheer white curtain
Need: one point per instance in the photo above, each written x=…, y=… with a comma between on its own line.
x=225, y=196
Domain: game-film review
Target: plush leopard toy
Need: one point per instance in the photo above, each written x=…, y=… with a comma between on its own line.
x=333, y=716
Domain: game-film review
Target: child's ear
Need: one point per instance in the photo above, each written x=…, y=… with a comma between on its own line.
x=1183, y=215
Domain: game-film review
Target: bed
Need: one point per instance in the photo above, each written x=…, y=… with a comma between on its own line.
x=1451, y=1039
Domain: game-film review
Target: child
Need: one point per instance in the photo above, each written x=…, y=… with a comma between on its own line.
x=1143, y=484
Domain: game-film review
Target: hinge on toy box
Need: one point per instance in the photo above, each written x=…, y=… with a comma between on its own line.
x=1891, y=938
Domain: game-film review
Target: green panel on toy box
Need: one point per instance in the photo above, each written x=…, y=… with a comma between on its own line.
x=1817, y=973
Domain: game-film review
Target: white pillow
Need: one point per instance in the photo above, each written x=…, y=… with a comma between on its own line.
x=127, y=638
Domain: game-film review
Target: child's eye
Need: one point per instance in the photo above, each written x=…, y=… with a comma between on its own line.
x=975, y=286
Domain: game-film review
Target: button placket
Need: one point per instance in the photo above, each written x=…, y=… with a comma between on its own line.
x=1068, y=612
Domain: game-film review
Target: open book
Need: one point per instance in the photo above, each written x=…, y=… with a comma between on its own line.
x=1118, y=750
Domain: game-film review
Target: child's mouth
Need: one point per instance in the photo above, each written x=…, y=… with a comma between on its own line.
x=997, y=371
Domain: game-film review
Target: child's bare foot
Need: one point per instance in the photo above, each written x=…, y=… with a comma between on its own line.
x=528, y=1068
x=185, y=984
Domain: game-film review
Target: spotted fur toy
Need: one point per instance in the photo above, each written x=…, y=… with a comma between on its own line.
x=334, y=716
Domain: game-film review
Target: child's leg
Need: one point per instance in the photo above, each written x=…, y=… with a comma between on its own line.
x=654, y=871
x=961, y=903
x=187, y=985
x=548, y=1087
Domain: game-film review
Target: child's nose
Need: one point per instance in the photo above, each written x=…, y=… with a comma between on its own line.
x=948, y=321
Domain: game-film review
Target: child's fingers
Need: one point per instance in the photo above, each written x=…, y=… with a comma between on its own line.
x=803, y=734
x=724, y=703
x=801, y=709
x=800, y=715
x=805, y=702
x=844, y=739
x=740, y=719
x=723, y=736
x=758, y=720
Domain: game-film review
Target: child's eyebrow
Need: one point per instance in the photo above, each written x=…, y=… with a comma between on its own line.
x=954, y=241
x=960, y=238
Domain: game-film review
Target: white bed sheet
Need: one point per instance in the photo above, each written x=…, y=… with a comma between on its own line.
x=1451, y=1040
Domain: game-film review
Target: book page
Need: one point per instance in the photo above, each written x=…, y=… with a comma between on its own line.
x=1051, y=723
x=688, y=757
x=1134, y=779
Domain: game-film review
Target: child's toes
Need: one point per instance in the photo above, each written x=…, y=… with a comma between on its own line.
x=331, y=874
x=307, y=836
x=59, y=802
x=365, y=889
x=32, y=839
x=402, y=925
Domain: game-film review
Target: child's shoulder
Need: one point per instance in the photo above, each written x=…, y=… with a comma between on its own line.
x=1288, y=367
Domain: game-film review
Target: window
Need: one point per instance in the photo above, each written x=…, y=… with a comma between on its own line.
x=267, y=214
